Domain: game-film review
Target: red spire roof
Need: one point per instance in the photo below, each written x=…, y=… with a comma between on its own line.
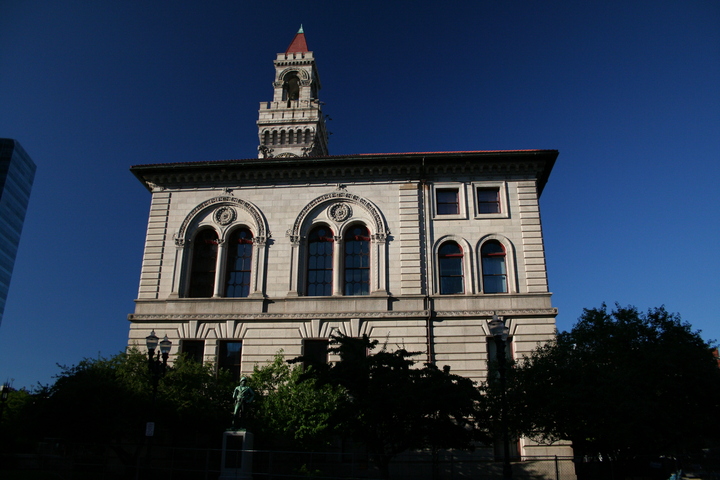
x=298, y=43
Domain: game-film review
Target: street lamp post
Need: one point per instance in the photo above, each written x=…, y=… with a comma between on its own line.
x=157, y=368
x=499, y=331
x=4, y=394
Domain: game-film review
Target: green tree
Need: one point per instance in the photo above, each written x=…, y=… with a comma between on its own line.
x=290, y=411
x=107, y=402
x=392, y=406
x=621, y=384
x=195, y=402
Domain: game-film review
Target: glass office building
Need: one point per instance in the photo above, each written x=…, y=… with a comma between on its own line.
x=17, y=172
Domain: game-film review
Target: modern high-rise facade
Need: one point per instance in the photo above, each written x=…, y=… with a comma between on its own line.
x=17, y=172
x=246, y=257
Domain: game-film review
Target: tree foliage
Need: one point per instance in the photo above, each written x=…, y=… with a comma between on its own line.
x=109, y=400
x=290, y=411
x=392, y=406
x=619, y=384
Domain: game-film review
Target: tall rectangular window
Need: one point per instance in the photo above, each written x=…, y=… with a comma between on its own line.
x=320, y=262
x=239, y=263
x=488, y=200
x=494, y=270
x=447, y=201
x=357, y=260
x=315, y=352
x=204, y=258
x=229, y=355
x=193, y=349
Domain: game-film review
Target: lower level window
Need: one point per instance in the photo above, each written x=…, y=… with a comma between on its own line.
x=315, y=352
x=193, y=349
x=229, y=355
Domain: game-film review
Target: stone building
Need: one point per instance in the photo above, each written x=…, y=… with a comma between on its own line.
x=247, y=257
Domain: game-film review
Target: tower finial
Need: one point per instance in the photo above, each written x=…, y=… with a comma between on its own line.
x=301, y=29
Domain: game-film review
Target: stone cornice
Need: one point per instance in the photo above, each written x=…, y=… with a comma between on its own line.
x=511, y=312
x=534, y=163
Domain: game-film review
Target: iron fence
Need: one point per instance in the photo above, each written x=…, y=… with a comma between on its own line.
x=108, y=462
x=85, y=461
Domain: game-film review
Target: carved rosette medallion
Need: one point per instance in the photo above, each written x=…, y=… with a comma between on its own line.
x=224, y=215
x=340, y=212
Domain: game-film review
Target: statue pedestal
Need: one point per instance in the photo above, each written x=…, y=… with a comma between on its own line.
x=236, y=455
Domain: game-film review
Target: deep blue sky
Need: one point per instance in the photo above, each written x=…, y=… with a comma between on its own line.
x=628, y=92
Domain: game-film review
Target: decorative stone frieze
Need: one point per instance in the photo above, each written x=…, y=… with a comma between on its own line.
x=259, y=220
x=260, y=317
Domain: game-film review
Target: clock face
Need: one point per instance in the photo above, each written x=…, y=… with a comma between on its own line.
x=286, y=155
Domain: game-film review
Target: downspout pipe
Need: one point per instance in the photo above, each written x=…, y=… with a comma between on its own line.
x=428, y=301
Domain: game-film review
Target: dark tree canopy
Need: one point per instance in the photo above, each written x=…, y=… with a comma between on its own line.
x=107, y=401
x=391, y=406
x=621, y=383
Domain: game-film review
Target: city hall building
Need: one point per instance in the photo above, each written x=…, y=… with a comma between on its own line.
x=244, y=258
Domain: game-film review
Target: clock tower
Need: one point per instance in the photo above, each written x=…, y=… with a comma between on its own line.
x=293, y=125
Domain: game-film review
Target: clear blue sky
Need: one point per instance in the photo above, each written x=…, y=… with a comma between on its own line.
x=628, y=92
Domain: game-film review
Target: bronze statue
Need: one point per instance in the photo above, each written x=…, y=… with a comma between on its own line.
x=242, y=395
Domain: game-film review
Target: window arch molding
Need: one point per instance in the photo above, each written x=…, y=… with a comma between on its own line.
x=290, y=71
x=467, y=263
x=339, y=210
x=510, y=267
x=225, y=215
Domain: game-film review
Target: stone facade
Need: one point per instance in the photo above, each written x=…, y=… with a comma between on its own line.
x=446, y=240
x=391, y=195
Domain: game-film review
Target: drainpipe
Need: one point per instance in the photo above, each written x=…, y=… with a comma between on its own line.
x=428, y=302
x=429, y=306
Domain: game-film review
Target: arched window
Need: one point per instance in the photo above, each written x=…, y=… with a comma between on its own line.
x=291, y=137
x=320, y=262
x=450, y=259
x=239, y=263
x=204, y=258
x=274, y=138
x=291, y=87
x=357, y=260
x=282, y=137
x=494, y=273
x=266, y=138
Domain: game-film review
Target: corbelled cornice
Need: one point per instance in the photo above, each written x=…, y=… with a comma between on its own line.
x=400, y=166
